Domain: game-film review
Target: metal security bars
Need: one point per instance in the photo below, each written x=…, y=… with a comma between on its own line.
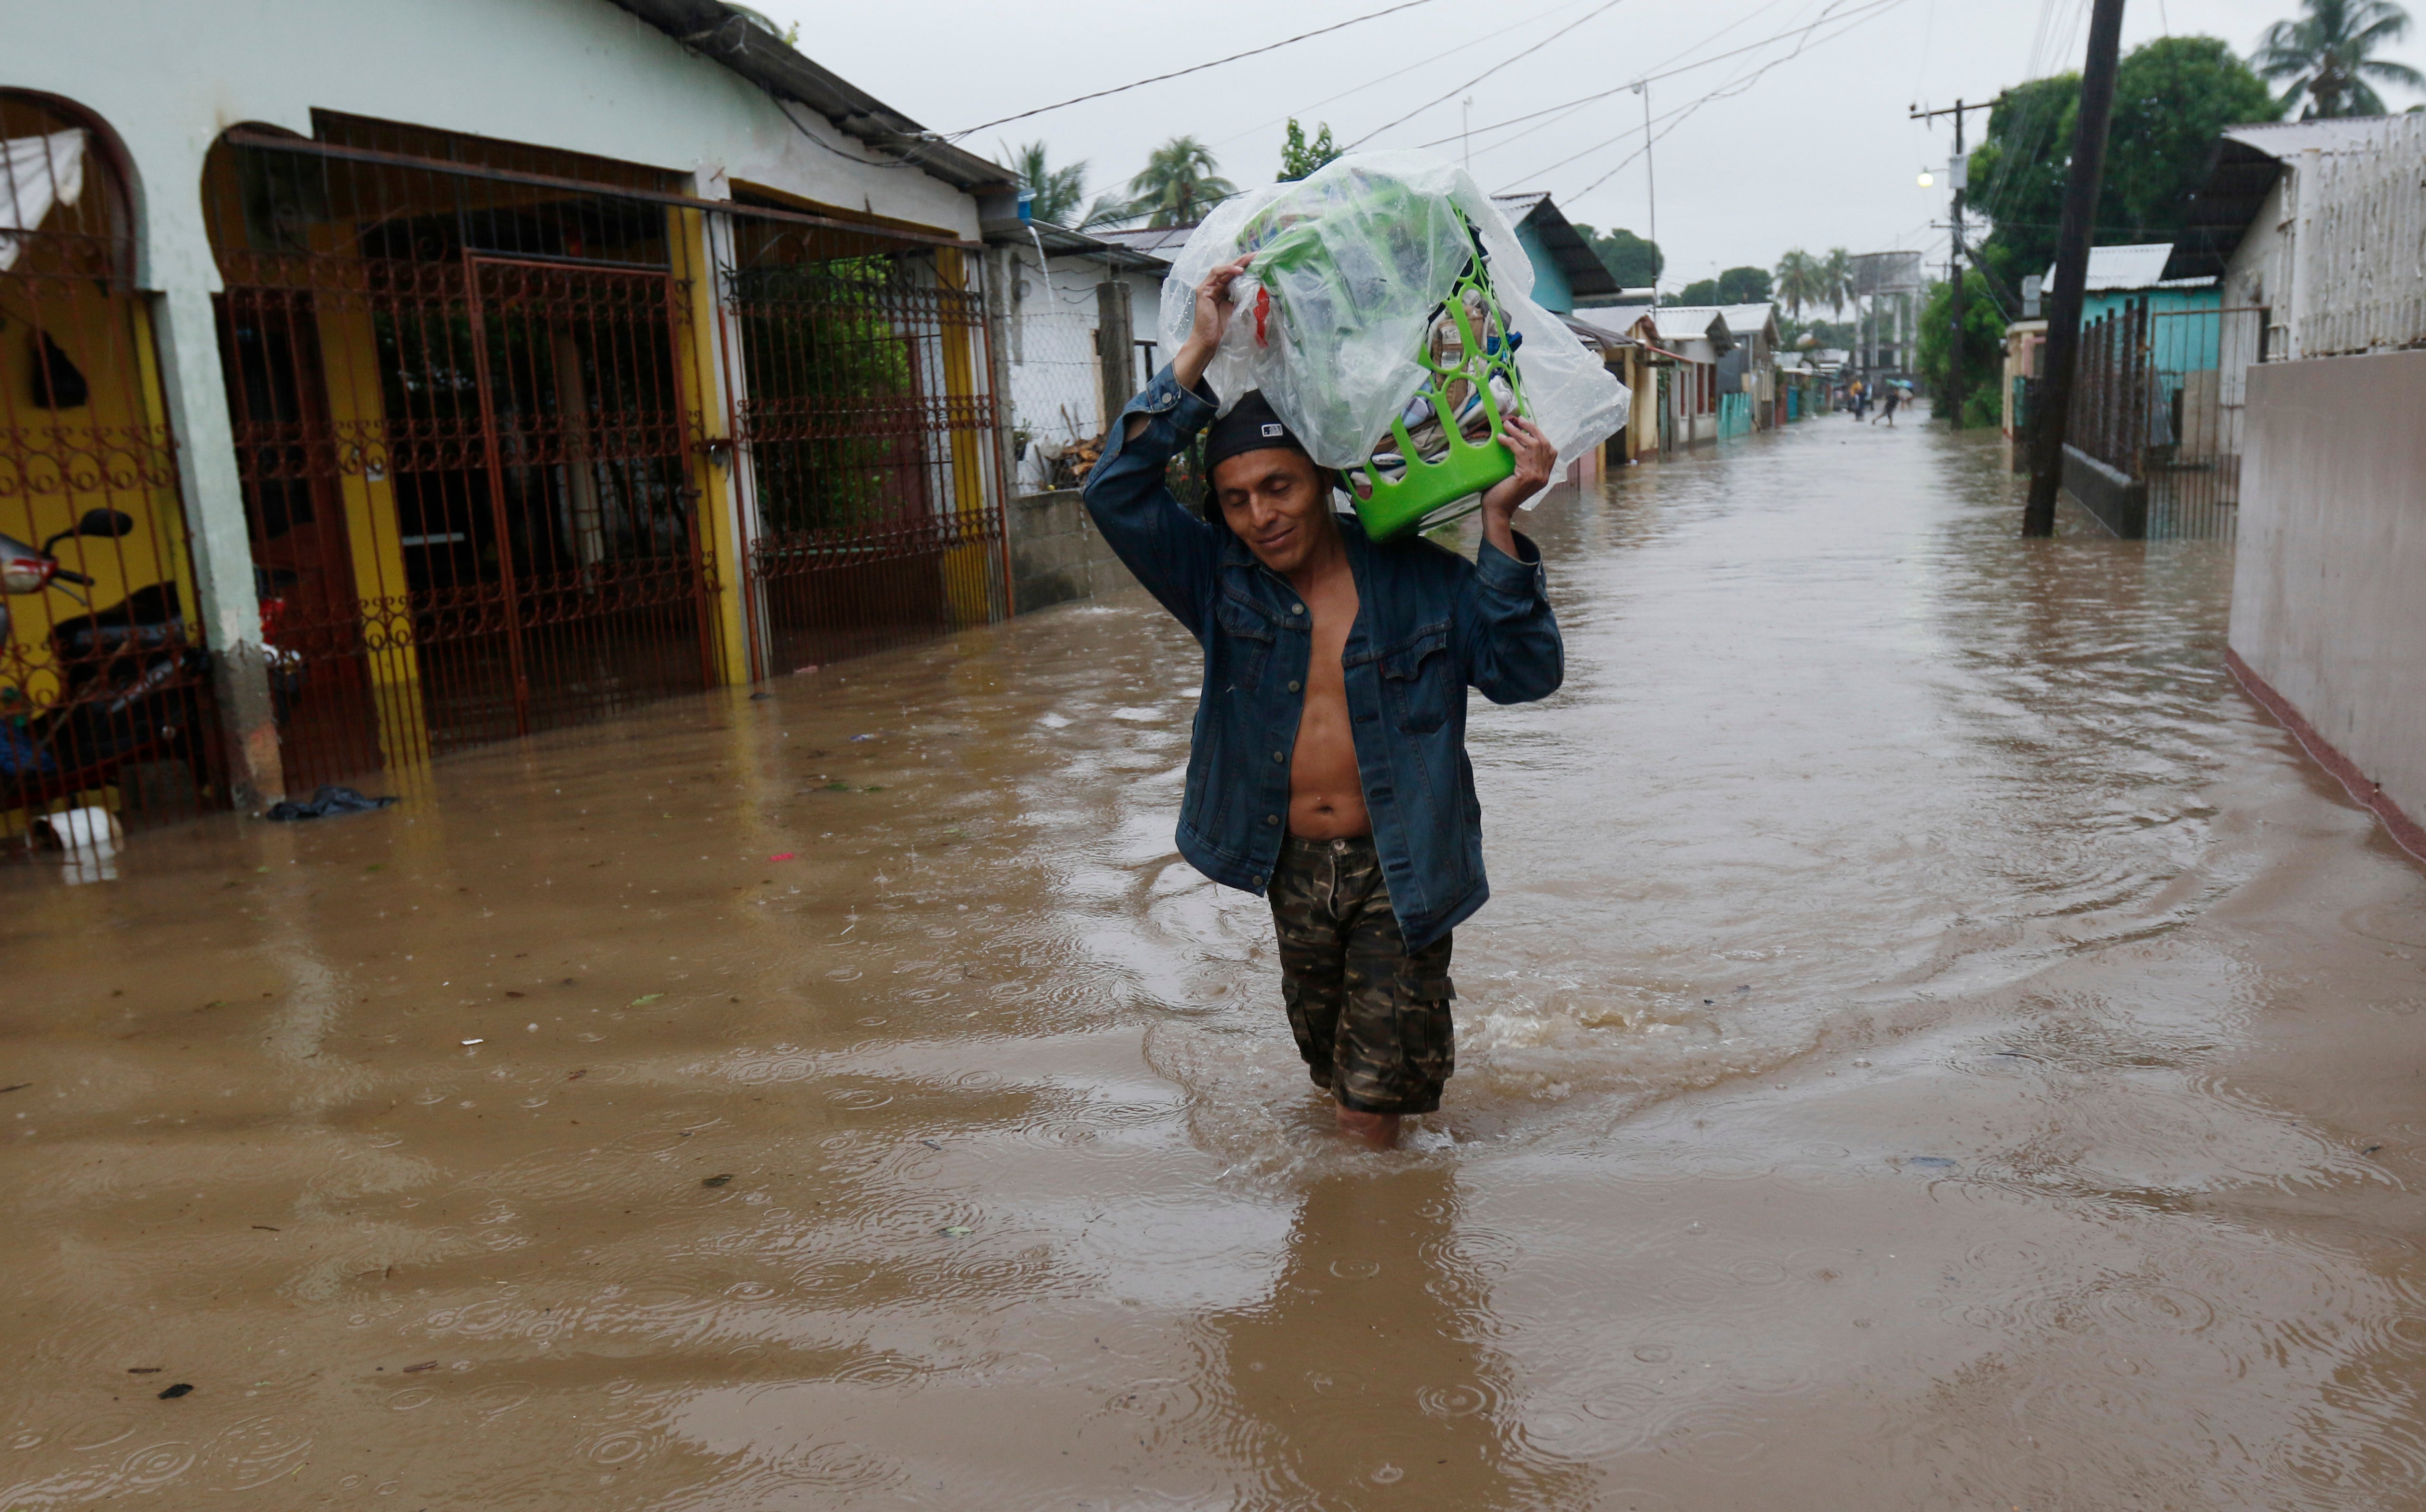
x=106, y=707
x=464, y=425
x=501, y=413
x=862, y=428
x=2160, y=398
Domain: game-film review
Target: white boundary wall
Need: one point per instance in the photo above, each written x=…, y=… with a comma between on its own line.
x=2329, y=586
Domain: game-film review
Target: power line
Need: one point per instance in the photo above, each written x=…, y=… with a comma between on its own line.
x=1383, y=79
x=1682, y=67
x=1252, y=52
x=1606, y=5
x=1735, y=86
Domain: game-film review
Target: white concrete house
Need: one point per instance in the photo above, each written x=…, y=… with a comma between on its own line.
x=470, y=368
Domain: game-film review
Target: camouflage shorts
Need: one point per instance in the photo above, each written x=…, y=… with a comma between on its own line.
x=1372, y=1021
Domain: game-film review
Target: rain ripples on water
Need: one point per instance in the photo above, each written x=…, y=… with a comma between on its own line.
x=1933, y=1044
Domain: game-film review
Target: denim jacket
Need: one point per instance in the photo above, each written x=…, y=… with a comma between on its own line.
x=1429, y=624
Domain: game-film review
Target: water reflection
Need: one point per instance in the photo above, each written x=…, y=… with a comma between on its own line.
x=1365, y=1378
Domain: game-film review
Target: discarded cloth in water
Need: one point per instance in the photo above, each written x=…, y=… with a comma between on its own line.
x=1352, y=267
x=327, y=803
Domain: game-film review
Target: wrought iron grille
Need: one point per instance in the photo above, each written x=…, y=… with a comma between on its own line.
x=464, y=408
x=856, y=368
x=2159, y=396
x=104, y=688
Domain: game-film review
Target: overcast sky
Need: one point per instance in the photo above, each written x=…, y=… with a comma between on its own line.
x=1810, y=149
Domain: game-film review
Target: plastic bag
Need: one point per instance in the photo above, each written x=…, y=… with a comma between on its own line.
x=1351, y=265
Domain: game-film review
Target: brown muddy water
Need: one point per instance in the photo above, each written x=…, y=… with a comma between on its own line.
x=1935, y=1045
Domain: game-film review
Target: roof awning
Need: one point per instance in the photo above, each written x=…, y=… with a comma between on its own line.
x=717, y=31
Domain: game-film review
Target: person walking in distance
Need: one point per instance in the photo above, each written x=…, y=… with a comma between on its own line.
x=1328, y=768
x=1887, y=407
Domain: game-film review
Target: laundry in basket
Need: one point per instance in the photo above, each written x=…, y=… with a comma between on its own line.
x=1388, y=293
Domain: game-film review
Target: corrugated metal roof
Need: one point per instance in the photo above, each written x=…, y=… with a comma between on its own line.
x=1749, y=317
x=1062, y=242
x=1694, y=322
x=1585, y=275
x=2139, y=266
x=1608, y=332
x=2287, y=140
x=2242, y=173
x=1165, y=242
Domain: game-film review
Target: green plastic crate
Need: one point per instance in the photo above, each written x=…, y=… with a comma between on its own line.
x=1430, y=493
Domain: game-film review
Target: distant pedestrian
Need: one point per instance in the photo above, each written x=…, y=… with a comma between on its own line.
x=1887, y=408
x=1861, y=398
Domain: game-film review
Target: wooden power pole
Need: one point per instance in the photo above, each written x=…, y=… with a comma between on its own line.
x=2074, y=233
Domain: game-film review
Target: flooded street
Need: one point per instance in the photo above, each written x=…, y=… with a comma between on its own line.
x=1933, y=1044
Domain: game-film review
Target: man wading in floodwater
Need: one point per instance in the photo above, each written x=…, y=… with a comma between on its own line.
x=1329, y=769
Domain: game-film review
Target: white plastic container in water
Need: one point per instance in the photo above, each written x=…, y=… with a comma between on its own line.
x=90, y=828
x=90, y=837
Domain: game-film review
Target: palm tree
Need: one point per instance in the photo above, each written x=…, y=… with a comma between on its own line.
x=1178, y=184
x=1799, y=282
x=1059, y=191
x=2325, y=54
x=1837, y=279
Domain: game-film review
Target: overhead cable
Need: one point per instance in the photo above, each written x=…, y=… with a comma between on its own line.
x=1379, y=79
x=1495, y=68
x=1252, y=52
x=1670, y=74
x=1853, y=18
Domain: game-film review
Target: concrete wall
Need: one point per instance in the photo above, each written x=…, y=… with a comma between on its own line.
x=1057, y=554
x=2328, y=607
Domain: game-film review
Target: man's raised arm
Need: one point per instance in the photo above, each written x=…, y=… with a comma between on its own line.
x=1171, y=552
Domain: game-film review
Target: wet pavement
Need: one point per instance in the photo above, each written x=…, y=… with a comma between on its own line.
x=1935, y=1045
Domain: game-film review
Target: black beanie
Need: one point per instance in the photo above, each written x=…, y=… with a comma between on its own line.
x=1250, y=426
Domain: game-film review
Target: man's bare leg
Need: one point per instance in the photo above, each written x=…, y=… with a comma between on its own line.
x=1379, y=1130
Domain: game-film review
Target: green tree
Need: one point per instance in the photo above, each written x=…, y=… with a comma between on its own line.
x=1059, y=191
x=1837, y=279
x=1743, y=285
x=1300, y=157
x=1800, y=282
x=1983, y=351
x=1700, y=291
x=1633, y=261
x=1178, y=184
x=2172, y=96
x=2326, y=55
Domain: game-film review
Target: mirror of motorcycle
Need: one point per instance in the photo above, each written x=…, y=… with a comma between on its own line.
x=107, y=523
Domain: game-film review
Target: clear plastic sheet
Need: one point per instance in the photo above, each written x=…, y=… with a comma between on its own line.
x=1351, y=262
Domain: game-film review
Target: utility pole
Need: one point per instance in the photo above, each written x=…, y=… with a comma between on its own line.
x=1467, y=132
x=1651, y=179
x=2073, y=236
x=1957, y=177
